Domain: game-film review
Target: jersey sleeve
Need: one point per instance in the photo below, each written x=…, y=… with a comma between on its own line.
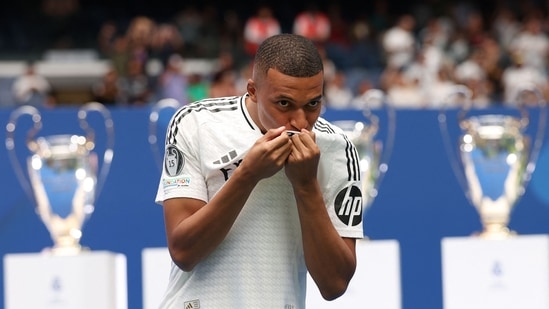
x=339, y=175
x=181, y=170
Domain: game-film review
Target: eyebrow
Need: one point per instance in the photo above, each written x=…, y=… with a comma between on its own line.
x=318, y=98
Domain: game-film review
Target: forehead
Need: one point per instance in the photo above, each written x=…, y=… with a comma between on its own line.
x=278, y=84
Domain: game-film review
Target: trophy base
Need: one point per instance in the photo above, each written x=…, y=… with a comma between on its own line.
x=65, y=251
x=500, y=233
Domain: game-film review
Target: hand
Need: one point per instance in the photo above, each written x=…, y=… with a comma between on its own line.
x=302, y=163
x=268, y=154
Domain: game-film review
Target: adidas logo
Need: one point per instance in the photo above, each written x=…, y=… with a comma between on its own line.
x=193, y=304
x=225, y=159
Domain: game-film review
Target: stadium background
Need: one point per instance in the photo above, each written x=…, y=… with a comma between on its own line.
x=420, y=201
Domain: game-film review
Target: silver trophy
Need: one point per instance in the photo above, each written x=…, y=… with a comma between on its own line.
x=62, y=175
x=495, y=155
x=374, y=151
x=158, y=111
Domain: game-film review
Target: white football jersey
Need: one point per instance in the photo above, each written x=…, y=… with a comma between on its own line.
x=260, y=264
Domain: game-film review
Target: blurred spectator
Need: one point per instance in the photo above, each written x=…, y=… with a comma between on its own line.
x=106, y=38
x=363, y=98
x=259, y=27
x=120, y=55
x=242, y=78
x=458, y=48
x=107, y=91
x=225, y=60
x=139, y=37
x=493, y=62
x=532, y=43
x=31, y=88
x=472, y=75
x=339, y=25
x=364, y=49
x=338, y=45
x=209, y=42
x=437, y=32
x=505, y=25
x=313, y=24
x=135, y=87
x=197, y=88
x=517, y=75
x=423, y=72
x=403, y=90
x=223, y=84
x=232, y=37
x=399, y=42
x=172, y=83
x=474, y=27
x=165, y=42
x=189, y=24
x=441, y=89
x=337, y=93
x=379, y=16
x=357, y=39
x=329, y=66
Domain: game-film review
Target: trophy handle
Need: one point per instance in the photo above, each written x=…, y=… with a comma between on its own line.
x=153, y=126
x=524, y=89
x=376, y=97
x=467, y=95
x=31, y=143
x=90, y=137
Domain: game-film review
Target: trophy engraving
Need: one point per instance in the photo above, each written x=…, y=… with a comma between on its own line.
x=159, y=109
x=374, y=151
x=496, y=156
x=63, y=177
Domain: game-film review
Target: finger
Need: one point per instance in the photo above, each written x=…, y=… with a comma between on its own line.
x=306, y=139
x=273, y=133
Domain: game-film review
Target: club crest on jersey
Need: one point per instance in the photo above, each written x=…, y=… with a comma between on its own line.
x=173, y=161
x=348, y=206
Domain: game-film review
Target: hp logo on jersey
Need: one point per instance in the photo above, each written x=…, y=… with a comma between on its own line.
x=348, y=206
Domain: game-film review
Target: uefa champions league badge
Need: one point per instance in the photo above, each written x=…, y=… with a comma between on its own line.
x=174, y=160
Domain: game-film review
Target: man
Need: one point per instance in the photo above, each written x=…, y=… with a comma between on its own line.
x=31, y=88
x=258, y=189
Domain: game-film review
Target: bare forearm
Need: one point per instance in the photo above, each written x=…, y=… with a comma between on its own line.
x=330, y=259
x=195, y=237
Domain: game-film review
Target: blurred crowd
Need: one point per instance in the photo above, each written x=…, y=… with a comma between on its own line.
x=416, y=58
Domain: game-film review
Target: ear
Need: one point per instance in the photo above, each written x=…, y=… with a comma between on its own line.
x=251, y=89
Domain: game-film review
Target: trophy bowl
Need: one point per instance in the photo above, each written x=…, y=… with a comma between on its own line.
x=494, y=157
x=374, y=151
x=62, y=174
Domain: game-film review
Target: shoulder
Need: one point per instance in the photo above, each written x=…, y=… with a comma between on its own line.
x=338, y=150
x=328, y=134
x=325, y=127
x=191, y=116
x=207, y=108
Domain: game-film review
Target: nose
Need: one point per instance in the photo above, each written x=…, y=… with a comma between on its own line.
x=298, y=119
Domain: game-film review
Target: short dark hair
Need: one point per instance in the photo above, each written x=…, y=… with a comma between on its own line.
x=290, y=54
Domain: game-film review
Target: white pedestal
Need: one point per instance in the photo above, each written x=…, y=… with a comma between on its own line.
x=376, y=283
x=156, y=265
x=481, y=273
x=95, y=279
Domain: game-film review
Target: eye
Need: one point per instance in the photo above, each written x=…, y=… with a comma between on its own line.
x=314, y=104
x=283, y=103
